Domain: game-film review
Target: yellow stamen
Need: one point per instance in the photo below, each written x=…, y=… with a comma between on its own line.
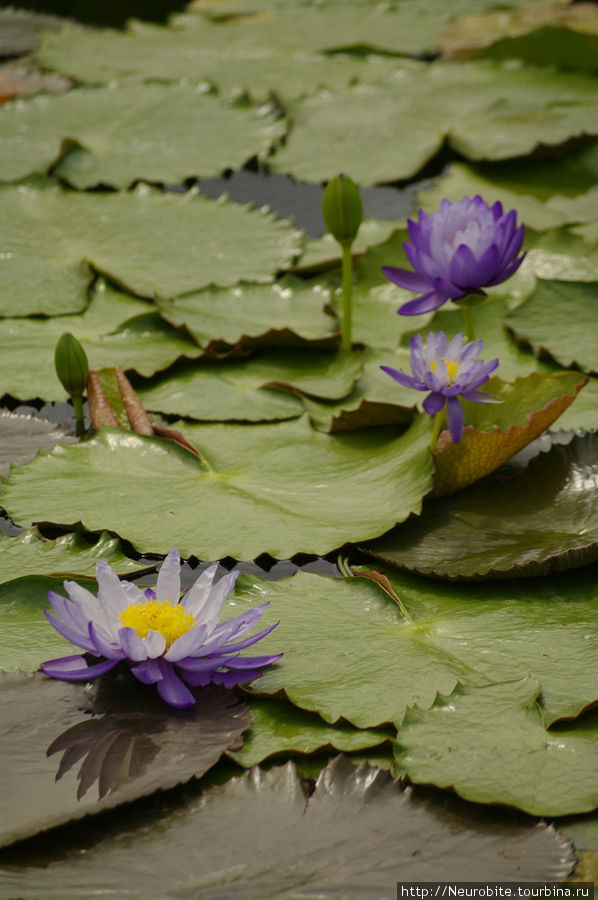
x=433, y=365
x=170, y=621
x=452, y=368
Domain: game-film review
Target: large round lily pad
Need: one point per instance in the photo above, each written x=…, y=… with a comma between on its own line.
x=281, y=488
x=520, y=522
x=118, y=133
x=259, y=836
x=146, y=241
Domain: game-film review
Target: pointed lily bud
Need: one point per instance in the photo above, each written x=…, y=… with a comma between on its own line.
x=342, y=210
x=71, y=364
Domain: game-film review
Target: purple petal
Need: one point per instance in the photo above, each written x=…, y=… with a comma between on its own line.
x=253, y=639
x=411, y=281
x=171, y=688
x=424, y=304
x=75, y=668
x=433, y=403
x=252, y=662
x=480, y=397
x=486, y=267
x=133, y=646
x=406, y=380
x=232, y=679
x=102, y=646
x=187, y=644
x=463, y=266
x=507, y=272
x=455, y=418
x=148, y=671
x=72, y=635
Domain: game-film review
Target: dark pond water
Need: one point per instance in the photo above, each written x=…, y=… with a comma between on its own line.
x=109, y=13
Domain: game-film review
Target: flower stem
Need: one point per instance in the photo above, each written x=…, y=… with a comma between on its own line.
x=79, y=418
x=347, y=319
x=469, y=322
x=438, y=423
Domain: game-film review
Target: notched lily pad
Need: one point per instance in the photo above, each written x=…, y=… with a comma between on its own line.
x=358, y=833
x=560, y=319
x=495, y=432
x=491, y=746
x=529, y=521
x=92, y=748
x=21, y=436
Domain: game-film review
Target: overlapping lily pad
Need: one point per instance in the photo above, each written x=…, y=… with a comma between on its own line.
x=561, y=319
x=351, y=653
x=389, y=131
x=358, y=832
x=490, y=745
x=146, y=241
x=114, y=329
x=279, y=488
x=288, y=311
x=88, y=750
x=205, y=135
x=524, y=522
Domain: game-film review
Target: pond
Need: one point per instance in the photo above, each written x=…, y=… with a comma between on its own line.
x=223, y=208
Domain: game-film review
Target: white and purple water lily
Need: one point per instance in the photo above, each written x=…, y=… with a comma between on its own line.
x=449, y=371
x=164, y=639
x=458, y=250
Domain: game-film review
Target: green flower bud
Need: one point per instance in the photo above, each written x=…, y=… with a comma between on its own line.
x=71, y=364
x=341, y=209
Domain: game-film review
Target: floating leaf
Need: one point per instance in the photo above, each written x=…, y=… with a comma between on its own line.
x=205, y=135
x=23, y=80
x=490, y=745
x=19, y=28
x=88, y=750
x=246, y=390
x=262, y=491
x=526, y=521
x=324, y=252
x=288, y=311
x=374, y=664
x=146, y=241
x=280, y=728
x=495, y=432
x=68, y=556
x=23, y=435
x=561, y=319
x=358, y=832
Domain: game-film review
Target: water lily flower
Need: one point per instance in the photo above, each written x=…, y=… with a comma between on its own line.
x=458, y=250
x=449, y=371
x=164, y=639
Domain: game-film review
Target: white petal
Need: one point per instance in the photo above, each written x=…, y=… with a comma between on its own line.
x=168, y=585
x=199, y=592
x=155, y=643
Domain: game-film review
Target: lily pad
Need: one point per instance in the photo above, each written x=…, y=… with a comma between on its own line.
x=357, y=833
x=388, y=131
x=23, y=435
x=144, y=240
x=254, y=389
x=278, y=488
x=19, y=30
x=528, y=521
x=288, y=311
x=491, y=746
x=280, y=728
x=495, y=432
x=205, y=135
x=88, y=750
x=561, y=319
x=115, y=328
x=474, y=634
x=68, y=556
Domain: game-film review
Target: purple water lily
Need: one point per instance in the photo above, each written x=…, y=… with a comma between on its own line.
x=164, y=639
x=458, y=250
x=449, y=371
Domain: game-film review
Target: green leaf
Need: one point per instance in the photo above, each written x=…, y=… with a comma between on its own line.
x=561, y=319
x=563, y=255
x=19, y=27
x=583, y=414
x=144, y=240
x=288, y=311
x=388, y=131
x=490, y=745
x=263, y=491
x=114, y=329
x=89, y=750
x=495, y=432
x=205, y=135
x=358, y=832
x=279, y=728
x=324, y=252
x=527, y=521
x=23, y=435
x=255, y=389
x=350, y=653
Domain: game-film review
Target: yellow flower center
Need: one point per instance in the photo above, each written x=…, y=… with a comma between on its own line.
x=452, y=368
x=170, y=621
